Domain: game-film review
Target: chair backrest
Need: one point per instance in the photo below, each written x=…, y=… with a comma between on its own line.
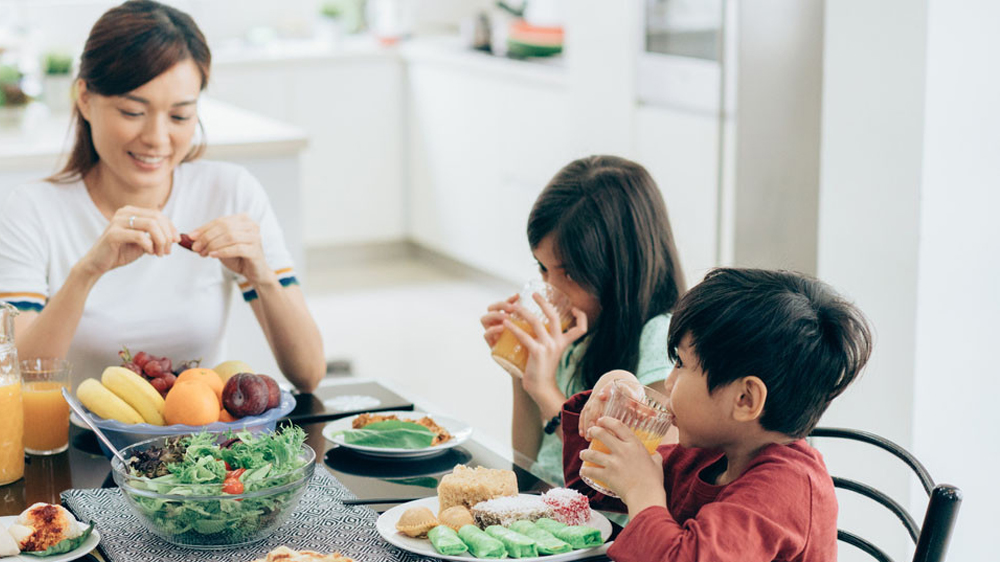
x=931, y=538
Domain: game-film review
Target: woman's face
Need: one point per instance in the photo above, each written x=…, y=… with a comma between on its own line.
x=554, y=274
x=142, y=135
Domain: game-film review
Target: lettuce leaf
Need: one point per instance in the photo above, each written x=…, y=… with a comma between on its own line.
x=64, y=546
x=395, y=434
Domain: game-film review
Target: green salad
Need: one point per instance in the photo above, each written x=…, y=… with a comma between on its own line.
x=197, y=466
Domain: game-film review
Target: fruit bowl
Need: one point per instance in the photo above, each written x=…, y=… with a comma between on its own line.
x=122, y=435
x=201, y=516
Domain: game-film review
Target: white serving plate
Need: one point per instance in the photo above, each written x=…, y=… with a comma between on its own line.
x=460, y=431
x=82, y=550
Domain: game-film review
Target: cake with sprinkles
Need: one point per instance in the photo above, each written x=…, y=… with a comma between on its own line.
x=505, y=510
x=568, y=506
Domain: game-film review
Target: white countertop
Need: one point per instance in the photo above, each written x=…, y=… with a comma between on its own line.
x=43, y=136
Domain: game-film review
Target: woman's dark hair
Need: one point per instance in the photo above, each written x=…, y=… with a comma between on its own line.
x=611, y=232
x=130, y=45
x=795, y=333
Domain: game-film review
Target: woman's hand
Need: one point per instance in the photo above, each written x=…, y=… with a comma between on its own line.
x=235, y=241
x=131, y=232
x=594, y=408
x=628, y=469
x=546, y=348
x=492, y=321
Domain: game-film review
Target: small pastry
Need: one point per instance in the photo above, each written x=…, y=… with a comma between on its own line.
x=416, y=521
x=456, y=517
x=506, y=509
x=568, y=506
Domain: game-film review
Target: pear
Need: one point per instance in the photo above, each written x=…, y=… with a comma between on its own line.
x=227, y=369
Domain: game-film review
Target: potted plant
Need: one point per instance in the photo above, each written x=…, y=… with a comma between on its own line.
x=13, y=100
x=330, y=27
x=58, y=80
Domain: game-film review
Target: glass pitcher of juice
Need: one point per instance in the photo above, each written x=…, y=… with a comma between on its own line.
x=11, y=411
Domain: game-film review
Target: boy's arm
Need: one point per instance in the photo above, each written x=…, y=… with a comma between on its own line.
x=760, y=517
x=572, y=445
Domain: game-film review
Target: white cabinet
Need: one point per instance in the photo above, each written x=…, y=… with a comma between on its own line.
x=352, y=110
x=481, y=148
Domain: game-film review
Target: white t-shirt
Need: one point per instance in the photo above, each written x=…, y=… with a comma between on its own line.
x=175, y=306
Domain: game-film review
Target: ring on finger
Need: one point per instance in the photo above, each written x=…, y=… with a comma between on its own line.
x=131, y=221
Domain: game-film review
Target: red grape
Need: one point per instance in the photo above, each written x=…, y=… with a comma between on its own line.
x=166, y=364
x=131, y=366
x=153, y=368
x=160, y=385
x=141, y=358
x=170, y=378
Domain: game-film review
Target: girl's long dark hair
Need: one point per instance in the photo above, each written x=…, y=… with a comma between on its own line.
x=128, y=46
x=613, y=237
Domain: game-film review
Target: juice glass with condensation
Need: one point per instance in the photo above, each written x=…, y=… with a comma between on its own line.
x=46, y=413
x=508, y=351
x=645, y=411
x=11, y=414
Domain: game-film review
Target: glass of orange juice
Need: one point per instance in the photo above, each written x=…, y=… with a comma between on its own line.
x=645, y=411
x=46, y=414
x=508, y=351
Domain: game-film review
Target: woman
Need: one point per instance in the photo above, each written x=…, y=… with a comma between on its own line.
x=89, y=255
x=600, y=234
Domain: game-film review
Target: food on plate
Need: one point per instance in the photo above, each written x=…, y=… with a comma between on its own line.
x=200, y=466
x=136, y=392
x=480, y=544
x=227, y=369
x=507, y=509
x=45, y=529
x=416, y=521
x=445, y=540
x=547, y=542
x=517, y=545
x=389, y=434
x=441, y=434
x=245, y=394
x=203, y=375
x=469, y=486
x=577, y=536
x=8, y=547
x=285, y=554
x=456, y=517
x=568, y=506
x=191, y=403
x=106, y=404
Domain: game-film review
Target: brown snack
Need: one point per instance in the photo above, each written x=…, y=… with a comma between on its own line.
x=285, y=554
x=440, y=434
x=416, y=521
x=468, y=486
x=505, y=510
x=456, y=517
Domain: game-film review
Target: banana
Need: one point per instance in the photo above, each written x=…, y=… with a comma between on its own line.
x=136, y=392
x=101, y=401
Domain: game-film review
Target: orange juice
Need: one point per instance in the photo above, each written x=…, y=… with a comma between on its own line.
x=509, y=352
x=649, y=440
x=11, y=430
x=47, y=414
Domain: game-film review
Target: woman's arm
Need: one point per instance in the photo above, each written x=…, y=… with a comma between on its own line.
x=291, y=332
x=50, y=332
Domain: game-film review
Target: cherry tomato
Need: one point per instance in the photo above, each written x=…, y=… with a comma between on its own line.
x=232, y=486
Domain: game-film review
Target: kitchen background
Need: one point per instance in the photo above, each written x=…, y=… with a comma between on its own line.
x=402, y=143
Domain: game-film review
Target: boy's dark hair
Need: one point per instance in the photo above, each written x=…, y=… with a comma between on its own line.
x=795, y=333
x=611, y=232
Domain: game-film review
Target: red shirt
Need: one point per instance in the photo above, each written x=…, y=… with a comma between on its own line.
x=782, y=507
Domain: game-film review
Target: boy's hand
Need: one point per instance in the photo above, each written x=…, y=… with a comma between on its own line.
x=628, y=470
x=594, y=408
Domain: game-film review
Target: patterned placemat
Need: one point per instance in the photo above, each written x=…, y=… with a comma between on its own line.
x=321, y=522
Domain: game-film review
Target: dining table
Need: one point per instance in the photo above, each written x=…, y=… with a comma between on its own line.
x=377, y=483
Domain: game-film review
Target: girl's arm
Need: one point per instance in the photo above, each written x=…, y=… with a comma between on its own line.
x=291, y=332
x=526, y=427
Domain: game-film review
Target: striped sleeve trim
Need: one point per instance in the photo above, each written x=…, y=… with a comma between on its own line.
x=286, y=277
x=24, y=301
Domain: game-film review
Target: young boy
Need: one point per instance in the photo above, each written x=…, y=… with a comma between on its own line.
x=758, y=356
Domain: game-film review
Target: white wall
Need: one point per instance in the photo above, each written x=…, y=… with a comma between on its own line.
x=873, y=107
x=956, y=381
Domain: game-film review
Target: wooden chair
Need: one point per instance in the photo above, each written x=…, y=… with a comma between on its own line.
x=932, y=537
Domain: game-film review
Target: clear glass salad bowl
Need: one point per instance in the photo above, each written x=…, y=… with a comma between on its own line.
x=202, y=516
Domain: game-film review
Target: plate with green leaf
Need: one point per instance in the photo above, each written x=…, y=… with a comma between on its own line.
x=401, y=438
x=69, y=549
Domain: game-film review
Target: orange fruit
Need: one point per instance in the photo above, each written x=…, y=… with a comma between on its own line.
x=225, y=416
x=191, y=402
x=207, y=376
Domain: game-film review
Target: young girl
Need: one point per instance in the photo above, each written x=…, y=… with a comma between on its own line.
x=600, y=234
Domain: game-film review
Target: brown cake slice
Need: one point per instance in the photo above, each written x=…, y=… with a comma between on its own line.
x=468, y=486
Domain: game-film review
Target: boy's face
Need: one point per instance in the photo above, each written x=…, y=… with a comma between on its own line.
x=701, y=417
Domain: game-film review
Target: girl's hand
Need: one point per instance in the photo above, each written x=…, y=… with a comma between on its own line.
x=628, y=470
x=594, y=408
x=546, y=348
x=235, y=241
x=493, y=319
x=132, y=232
